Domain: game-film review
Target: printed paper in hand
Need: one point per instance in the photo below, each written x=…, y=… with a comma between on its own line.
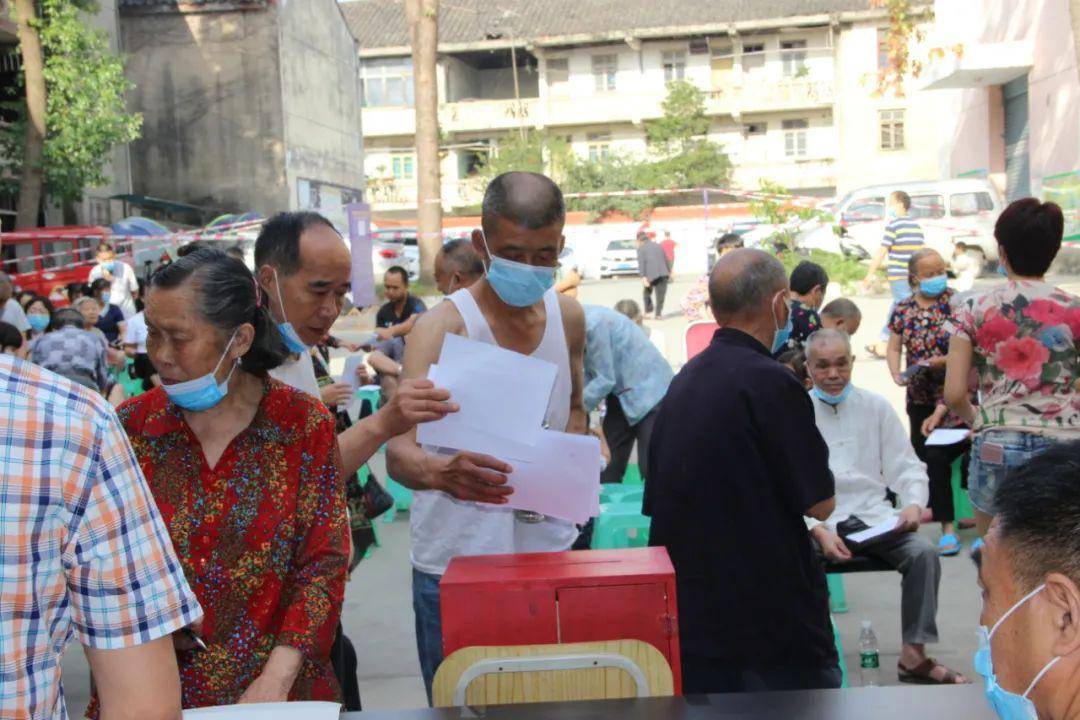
x=870, y=533
x=947, y=436
x=563, y=482
x=500, y=393
x=267, y=711
x=349, y=373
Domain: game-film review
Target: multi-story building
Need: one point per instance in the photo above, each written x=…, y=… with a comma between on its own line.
x=789, y=87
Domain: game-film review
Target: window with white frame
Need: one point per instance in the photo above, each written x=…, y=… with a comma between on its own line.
x=882, y=49
x=604, y=68
x=558, y=72
x=753, y=56
x=386, y=82
x=891, y=127
x=674, y=65
x=599, y=145
x=401, y=166
x=793, y=57
x=795, y=137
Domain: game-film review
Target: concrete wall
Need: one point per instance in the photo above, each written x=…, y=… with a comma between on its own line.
x=861, y=159
x=321, y=100
x=974, y=140
x=209, y=87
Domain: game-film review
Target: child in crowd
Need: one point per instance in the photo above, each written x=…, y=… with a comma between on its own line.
x=841, y=314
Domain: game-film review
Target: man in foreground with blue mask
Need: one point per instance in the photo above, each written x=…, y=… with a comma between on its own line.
x=1029, y=571
x=869, y=453
x=514, y=306
x=734, y=463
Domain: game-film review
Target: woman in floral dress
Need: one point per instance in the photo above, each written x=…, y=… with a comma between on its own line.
x=1021, y=338
x=918, y=328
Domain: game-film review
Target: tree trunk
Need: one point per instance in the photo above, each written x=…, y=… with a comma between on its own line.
x=1074, y=12
x=423, y=30
x=32, y=175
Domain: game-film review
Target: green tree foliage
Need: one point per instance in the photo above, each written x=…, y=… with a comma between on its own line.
x=679, y=155
x=86, y=115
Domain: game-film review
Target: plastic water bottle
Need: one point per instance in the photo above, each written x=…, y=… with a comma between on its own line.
x=869, y=662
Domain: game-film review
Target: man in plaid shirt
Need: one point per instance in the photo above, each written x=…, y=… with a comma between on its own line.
x=84, y=553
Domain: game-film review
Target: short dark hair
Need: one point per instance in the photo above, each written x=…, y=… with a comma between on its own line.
x=795, y=360
x=1038, y=514
x=49, y=307
x=10, y=336
x=105, y=245
x=1031, y=232
x=99, y=285
x=629, y=308
x=806, y=276
x=842, y=308
x=901, y=197
x=76, y=288
x=278, y=244
x=228, y=298
x=400, y=271
x=728, y=240
x=528, y=199
x=461, y=253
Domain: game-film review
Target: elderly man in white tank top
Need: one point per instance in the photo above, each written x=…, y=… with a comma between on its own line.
x=462, y=511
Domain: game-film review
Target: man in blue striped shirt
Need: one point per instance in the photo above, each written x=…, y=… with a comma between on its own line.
x=903, y=237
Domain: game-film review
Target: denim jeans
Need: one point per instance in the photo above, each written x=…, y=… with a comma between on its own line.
x=425, y=589
x=984, y=476
x=901, y=290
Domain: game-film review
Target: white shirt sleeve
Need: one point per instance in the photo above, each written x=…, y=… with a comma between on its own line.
x=131, y=280
x=904, y=473
x=14, y=315
x=95, y=273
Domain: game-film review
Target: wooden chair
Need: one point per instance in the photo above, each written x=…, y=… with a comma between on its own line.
x=504, y=675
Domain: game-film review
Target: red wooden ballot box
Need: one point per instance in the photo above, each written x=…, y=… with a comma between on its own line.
x=563, y=597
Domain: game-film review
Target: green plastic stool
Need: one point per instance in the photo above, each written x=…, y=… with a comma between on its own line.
x=616, y=493
x=620, y=525
x=403, y=498
x=839, y=653
x=837, y=598
x=133, y=386
x=961, y=504
x=632, y=475
x=372, y=395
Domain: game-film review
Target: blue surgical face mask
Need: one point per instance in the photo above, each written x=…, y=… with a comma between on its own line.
x=105, y=297
x=782, y=333
x=833, y=400
x=38, y=322
x=288, y=332
x=1007, y=705
x=1001, y=270
x=933, y=287
x=204, y=392
x=518, y=284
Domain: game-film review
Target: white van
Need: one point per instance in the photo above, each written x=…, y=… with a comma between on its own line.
x=949, y=211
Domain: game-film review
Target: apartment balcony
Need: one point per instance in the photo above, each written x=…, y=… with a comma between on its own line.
x=781, y=96
x=388, y=194
x=462, y=116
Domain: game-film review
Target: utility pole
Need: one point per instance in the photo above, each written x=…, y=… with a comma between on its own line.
x=423, y=16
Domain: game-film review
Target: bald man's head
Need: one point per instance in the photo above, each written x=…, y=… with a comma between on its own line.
x=529, y=200
x=743, y=284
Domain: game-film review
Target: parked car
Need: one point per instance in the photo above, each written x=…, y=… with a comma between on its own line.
x=395, y=246
x=948, y=210
x=619, y=258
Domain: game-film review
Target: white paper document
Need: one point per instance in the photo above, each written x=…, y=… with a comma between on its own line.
x=947, y=436
x=268, y=711
x=349, y=373
x=872, y=532
x=564, y=480
x=501, y=394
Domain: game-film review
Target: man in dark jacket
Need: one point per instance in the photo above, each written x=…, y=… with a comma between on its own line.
x=654, y=270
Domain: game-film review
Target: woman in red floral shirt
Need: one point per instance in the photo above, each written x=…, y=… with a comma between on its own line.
x=245, y=472
x=1022, y=340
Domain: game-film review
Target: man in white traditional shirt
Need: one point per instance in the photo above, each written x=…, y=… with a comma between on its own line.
x=869, y=453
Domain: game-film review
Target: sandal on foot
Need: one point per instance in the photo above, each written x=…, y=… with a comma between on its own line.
x=948, y=545
x=920, y=674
